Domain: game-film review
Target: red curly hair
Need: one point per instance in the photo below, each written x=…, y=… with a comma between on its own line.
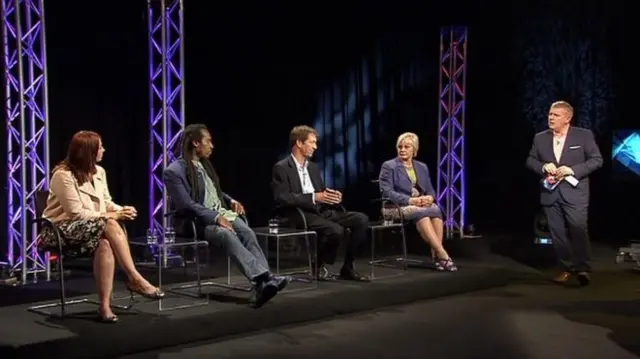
x=82, y=156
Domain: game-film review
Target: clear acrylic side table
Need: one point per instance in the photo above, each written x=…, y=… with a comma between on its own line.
x=312, y=251
x=161, y=252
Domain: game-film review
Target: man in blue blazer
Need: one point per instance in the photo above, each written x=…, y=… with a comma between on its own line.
x=194, y=188
x=563, y=157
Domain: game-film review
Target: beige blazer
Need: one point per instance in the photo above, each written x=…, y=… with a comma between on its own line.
x=69, y=201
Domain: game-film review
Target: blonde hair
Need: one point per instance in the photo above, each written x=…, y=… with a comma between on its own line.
x=412, y=138
x=563, y=105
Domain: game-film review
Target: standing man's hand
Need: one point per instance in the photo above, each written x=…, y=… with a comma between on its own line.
x=550, y=168
x=564, y=171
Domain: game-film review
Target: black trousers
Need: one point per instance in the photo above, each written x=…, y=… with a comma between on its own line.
x=330, y=227
x=570, y=234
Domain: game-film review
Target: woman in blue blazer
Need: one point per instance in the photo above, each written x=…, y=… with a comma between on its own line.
x=406, y=182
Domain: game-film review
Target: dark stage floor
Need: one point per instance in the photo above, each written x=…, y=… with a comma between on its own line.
x=144, y=328
x=526, y=320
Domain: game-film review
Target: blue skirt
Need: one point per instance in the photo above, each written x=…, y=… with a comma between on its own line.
x=415, y=214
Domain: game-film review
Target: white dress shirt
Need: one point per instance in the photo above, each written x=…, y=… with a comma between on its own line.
x=305, y=179
x=558, y=145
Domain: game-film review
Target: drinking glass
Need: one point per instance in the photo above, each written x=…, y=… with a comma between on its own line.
x=152, y=238
x=273, y=226
x=169, y=235
x=387, y=216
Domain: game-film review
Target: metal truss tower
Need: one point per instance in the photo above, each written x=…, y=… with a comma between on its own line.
x=166, y=98
x=26, y=106
x=451, y=124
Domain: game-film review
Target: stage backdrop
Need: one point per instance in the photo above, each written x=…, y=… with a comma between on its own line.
x=361, y=74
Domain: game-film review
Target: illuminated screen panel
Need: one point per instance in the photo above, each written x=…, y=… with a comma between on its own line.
x=626, y=154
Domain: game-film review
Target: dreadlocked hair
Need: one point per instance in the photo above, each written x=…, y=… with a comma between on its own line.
x=191, y=134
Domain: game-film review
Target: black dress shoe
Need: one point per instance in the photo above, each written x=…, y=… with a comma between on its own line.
x=265, y=292
x=584, y=279
x=352, y=274
x=281, y=281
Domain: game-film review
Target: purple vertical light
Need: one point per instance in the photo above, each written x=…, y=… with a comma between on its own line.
x=451, y=123
x=166, y=97
x=26, y=108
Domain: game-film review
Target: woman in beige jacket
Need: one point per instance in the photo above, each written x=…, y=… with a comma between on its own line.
x=80, y=205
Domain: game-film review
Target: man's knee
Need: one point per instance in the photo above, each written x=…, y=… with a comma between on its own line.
x=220, y=236
x=360, y=220
x=334, y=231
x=244, y=231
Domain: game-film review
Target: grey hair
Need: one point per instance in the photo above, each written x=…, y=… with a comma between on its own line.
x=412, y=138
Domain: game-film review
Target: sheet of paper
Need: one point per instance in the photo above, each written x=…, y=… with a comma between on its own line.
x=572, y=180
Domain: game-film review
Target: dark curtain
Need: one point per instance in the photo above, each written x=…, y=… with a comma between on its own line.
x=360, y=114
x=252, y=76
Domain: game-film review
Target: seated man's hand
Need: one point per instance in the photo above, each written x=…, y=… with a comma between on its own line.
x=224, y=223
x=237, y=207
x=328, y=197
x=337, y=193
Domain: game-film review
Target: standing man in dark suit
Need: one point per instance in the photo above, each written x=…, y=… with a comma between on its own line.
x=564, y=156
x=296, y=183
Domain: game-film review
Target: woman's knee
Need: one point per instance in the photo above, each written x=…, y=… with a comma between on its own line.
x=437, y=212
x=104, y=253
x=423, y=222
x=104, y=245
x=112, y=229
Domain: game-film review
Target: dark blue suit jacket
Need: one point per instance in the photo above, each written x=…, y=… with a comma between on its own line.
x=177, y=186
x=580, y=153
x=395, y=183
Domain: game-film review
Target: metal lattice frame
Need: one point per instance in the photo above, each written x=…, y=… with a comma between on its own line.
x=166, y=102
x=451, y=148
x=25, y=71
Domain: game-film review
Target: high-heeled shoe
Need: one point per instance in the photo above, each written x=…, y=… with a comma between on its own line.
x=156, y=295
x=107, y=319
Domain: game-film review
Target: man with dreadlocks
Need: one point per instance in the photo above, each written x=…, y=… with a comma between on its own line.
x=194, y=188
